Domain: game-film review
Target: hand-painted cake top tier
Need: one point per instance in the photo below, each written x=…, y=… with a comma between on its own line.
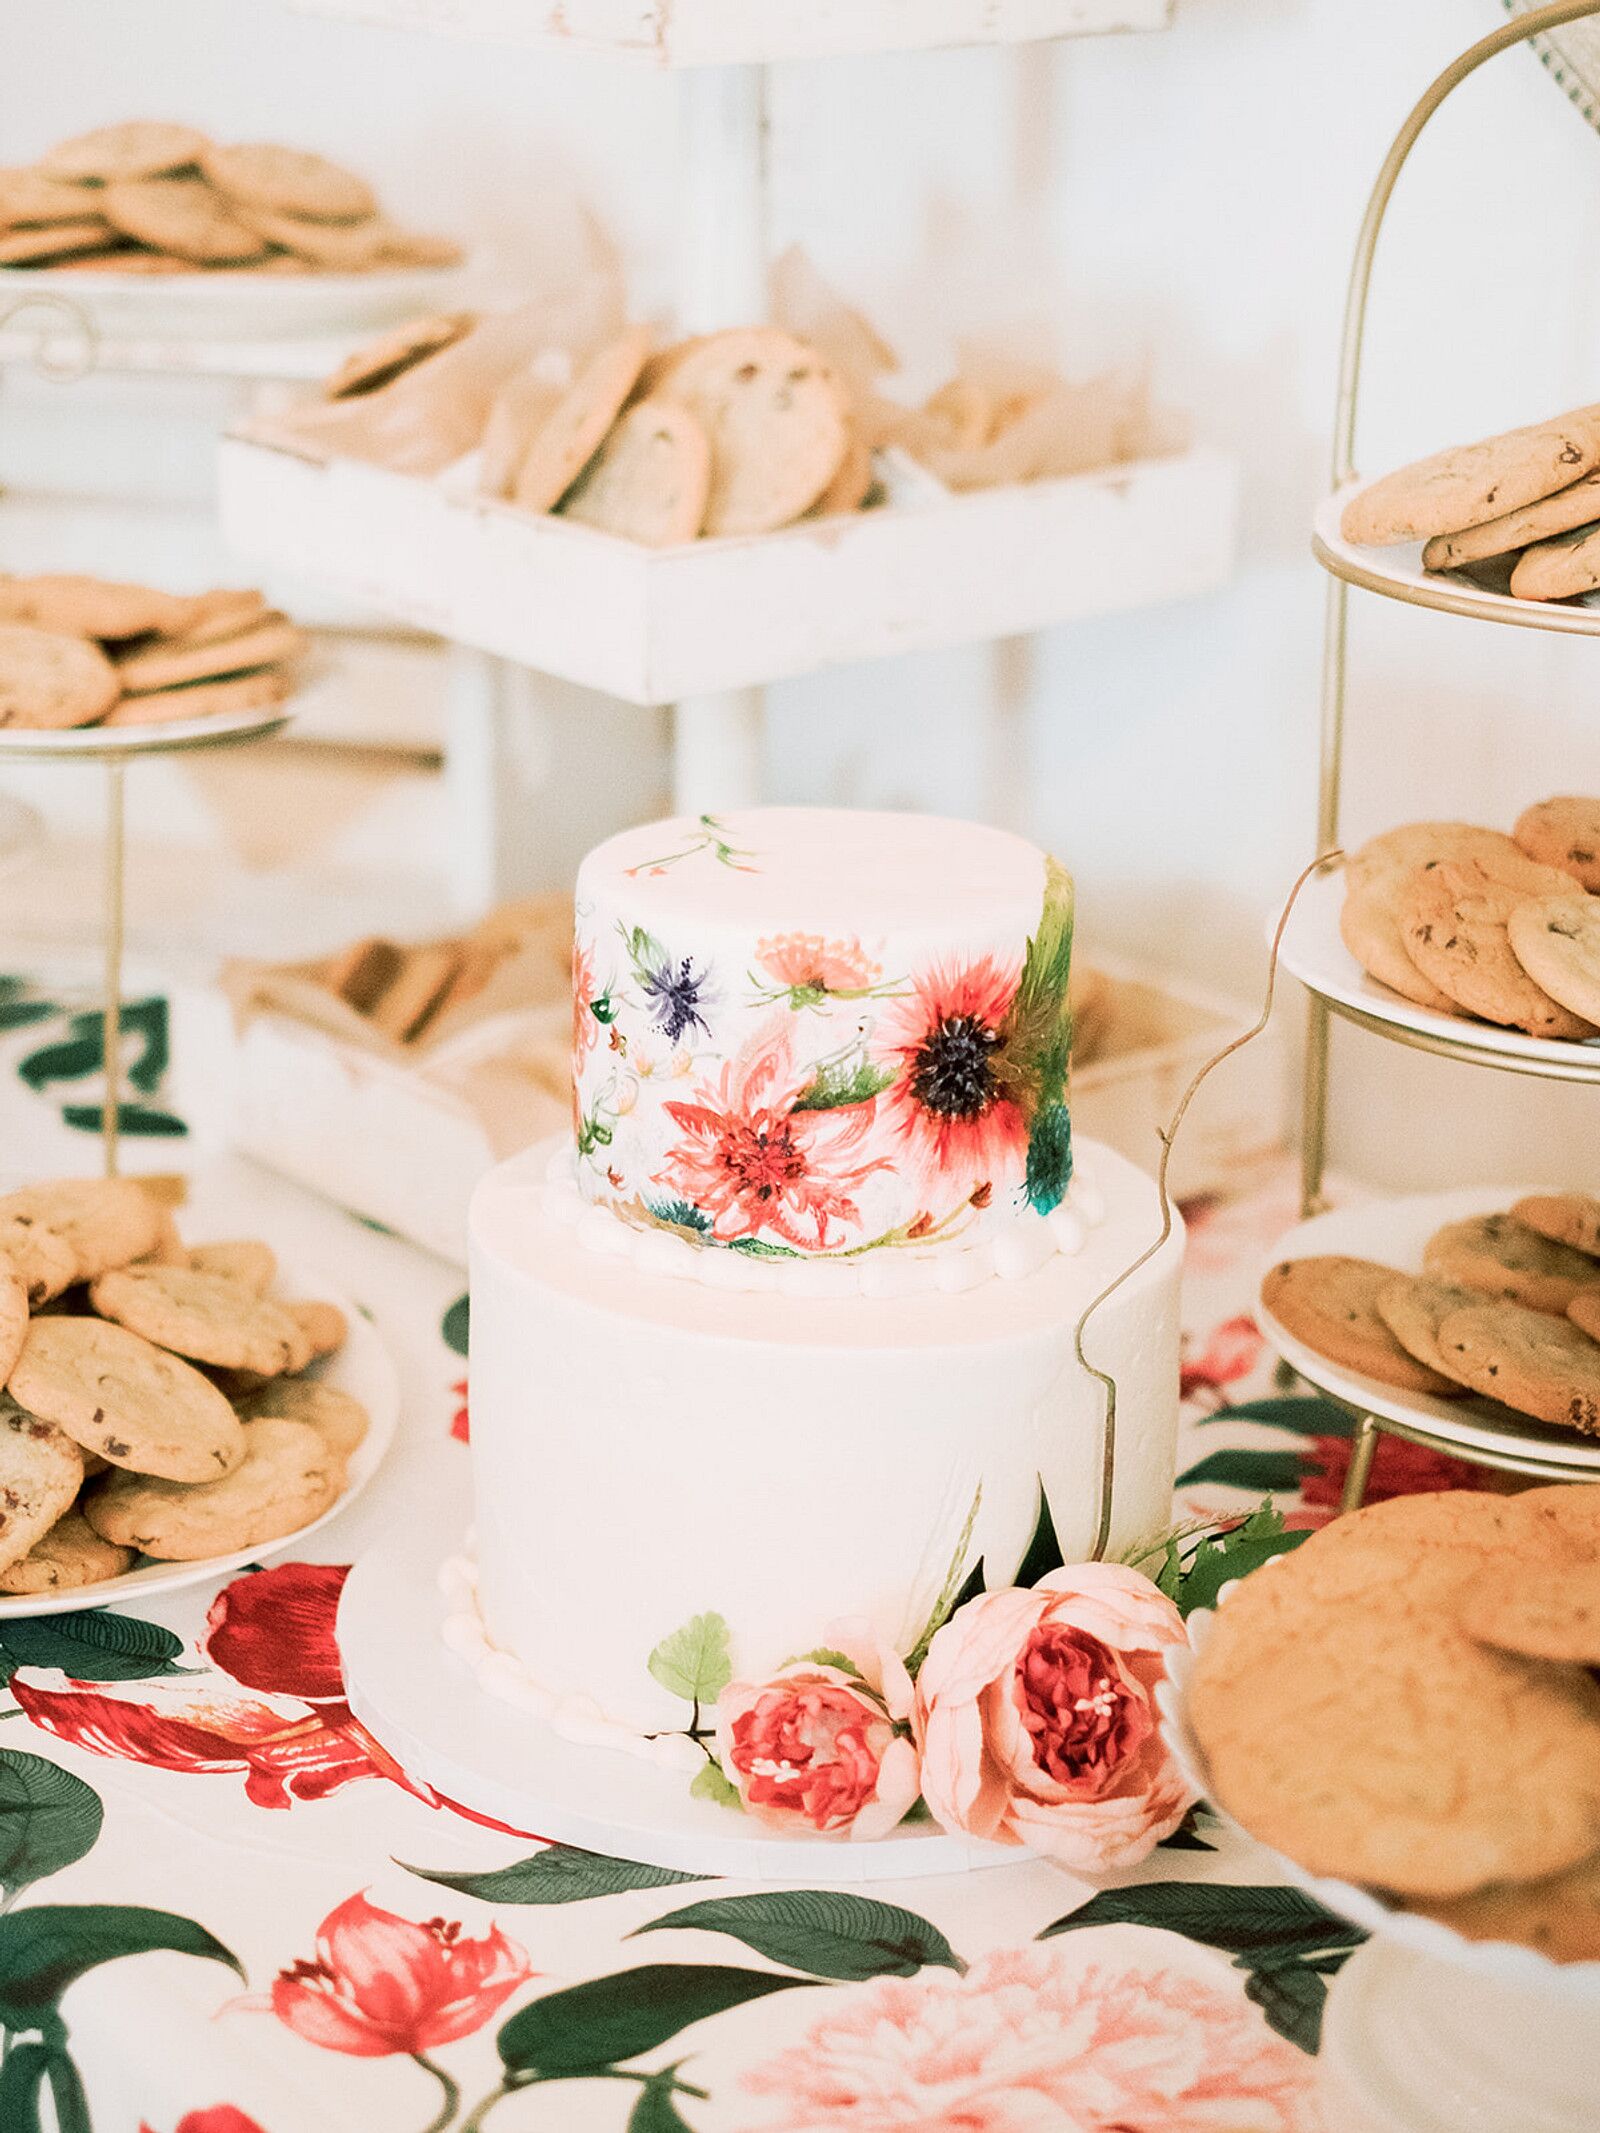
x=810, y=1032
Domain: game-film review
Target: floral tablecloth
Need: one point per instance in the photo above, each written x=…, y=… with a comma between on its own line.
x=225, y=1910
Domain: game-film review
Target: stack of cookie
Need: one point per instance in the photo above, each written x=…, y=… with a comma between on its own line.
x=151, y=197
x=79, y=651
x=1507, y=1305
x=154, y=1398
x=1469, y=921
x=1408, y=1702
x=1519, y=512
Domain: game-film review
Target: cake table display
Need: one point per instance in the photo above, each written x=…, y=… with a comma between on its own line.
x=805, y=1338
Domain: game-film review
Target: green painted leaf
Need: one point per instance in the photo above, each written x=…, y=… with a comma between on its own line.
x=49, y=1946
x=49, y=1819
x=694, y=1662
x=759, y=1248
x=561, y=1873
x=593, y=2026
x=656, y=2111
x=829, y=1932
x=1044, y=1550
x=22, y=2085
x=453, y=1326
x=1049, y=1166
x=92, y=1645
x=1216, y=1565
x=1307, y=1414
x=680, y=1214
x=1250, y=1922
x=711, y=1782
x=839, y=1083
x=1292, y=1997
x=18, y=1014
x=135, y=1120
x=1277, y=1473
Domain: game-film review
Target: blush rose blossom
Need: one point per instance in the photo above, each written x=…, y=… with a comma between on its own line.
x=824, y=1745
x=1036, y=1718
x=1032, y=2041
x=380, y=1984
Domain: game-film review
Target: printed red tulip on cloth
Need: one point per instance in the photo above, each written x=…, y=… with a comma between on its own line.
x=824, y=1744
x=1030, y=2042
x=280, y=1720
x=1036, y=1717
x=757, y=1166
x=1231, y=1353
x=380, y=1984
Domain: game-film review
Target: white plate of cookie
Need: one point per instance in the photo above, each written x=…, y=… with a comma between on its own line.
x=171, y=1412
x=1409, y=1309
x=1467, y=935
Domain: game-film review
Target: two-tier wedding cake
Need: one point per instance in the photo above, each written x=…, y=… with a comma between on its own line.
x=786, y=1332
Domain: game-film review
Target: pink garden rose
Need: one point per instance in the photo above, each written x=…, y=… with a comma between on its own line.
x=1036, y=1718
x=824, y=1744
x=1028, y=2041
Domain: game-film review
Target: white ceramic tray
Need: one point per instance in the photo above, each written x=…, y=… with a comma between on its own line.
x=166, y=737
x=691, y=32
x=420, y=1701
x=1398, y=574
x=1315, y=954
x=1394, y=1232
x=216, y=306
x=362, y=1368
x=652, y=625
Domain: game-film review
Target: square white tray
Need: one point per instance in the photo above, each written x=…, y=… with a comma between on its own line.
x=652, y=625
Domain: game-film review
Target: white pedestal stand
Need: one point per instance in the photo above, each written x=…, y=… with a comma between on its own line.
x=424, y=1705
x=1412, y=2044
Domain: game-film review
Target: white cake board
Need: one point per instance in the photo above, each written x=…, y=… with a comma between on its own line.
x=422, y=1704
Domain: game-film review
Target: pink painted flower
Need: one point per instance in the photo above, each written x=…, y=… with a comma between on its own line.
x=822, y=1743
x=1230, y=1354
x=585, y=1029
x=949, y=1105
x=461, y=1419
x=1037, y=1722
x=807, y=965
x=1029, y=2042
x=755, y=1164
x=381, y=1984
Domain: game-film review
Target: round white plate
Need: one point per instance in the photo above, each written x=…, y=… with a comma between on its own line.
x=24, y=744
x=1314, y=953
x=362, y=1368
x=1398, y=573
x=1394, y=1233
x=421, y=1703
x=220, y=306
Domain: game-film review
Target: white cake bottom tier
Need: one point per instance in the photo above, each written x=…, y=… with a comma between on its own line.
x=647, y=1449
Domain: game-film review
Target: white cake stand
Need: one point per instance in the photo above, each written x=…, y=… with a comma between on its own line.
x=1426, y=2032
x=422, y=1703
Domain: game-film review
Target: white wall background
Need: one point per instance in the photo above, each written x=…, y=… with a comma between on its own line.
x=1187, y=199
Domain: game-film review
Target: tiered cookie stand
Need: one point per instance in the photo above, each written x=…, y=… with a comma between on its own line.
x=1470, y=1429
x=704, y=627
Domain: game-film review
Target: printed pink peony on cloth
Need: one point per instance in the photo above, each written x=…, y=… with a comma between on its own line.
x=1028, y=2041
x=1036, y=1718
x=824, y=1744
x=380, y=1984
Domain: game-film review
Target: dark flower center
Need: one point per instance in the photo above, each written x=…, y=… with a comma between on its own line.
x=763, y=1159
x=953, y=1070
x=675, y=991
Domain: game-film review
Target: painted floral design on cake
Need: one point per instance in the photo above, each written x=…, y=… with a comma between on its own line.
x=815, y=1092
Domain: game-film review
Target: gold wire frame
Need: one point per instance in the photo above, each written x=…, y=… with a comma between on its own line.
x=1314, y=1105
x=1314, y=1100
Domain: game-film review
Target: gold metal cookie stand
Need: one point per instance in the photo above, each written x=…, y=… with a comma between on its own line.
x=114, y=747
x=1447, y=595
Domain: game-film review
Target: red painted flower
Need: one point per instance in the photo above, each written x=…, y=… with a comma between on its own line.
x=221, y=2118
x=1230, y=1354
x=756, y=1165
x=460, y=1421
x=274, y=1631
x=381, y=1984
x=949, y=1101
